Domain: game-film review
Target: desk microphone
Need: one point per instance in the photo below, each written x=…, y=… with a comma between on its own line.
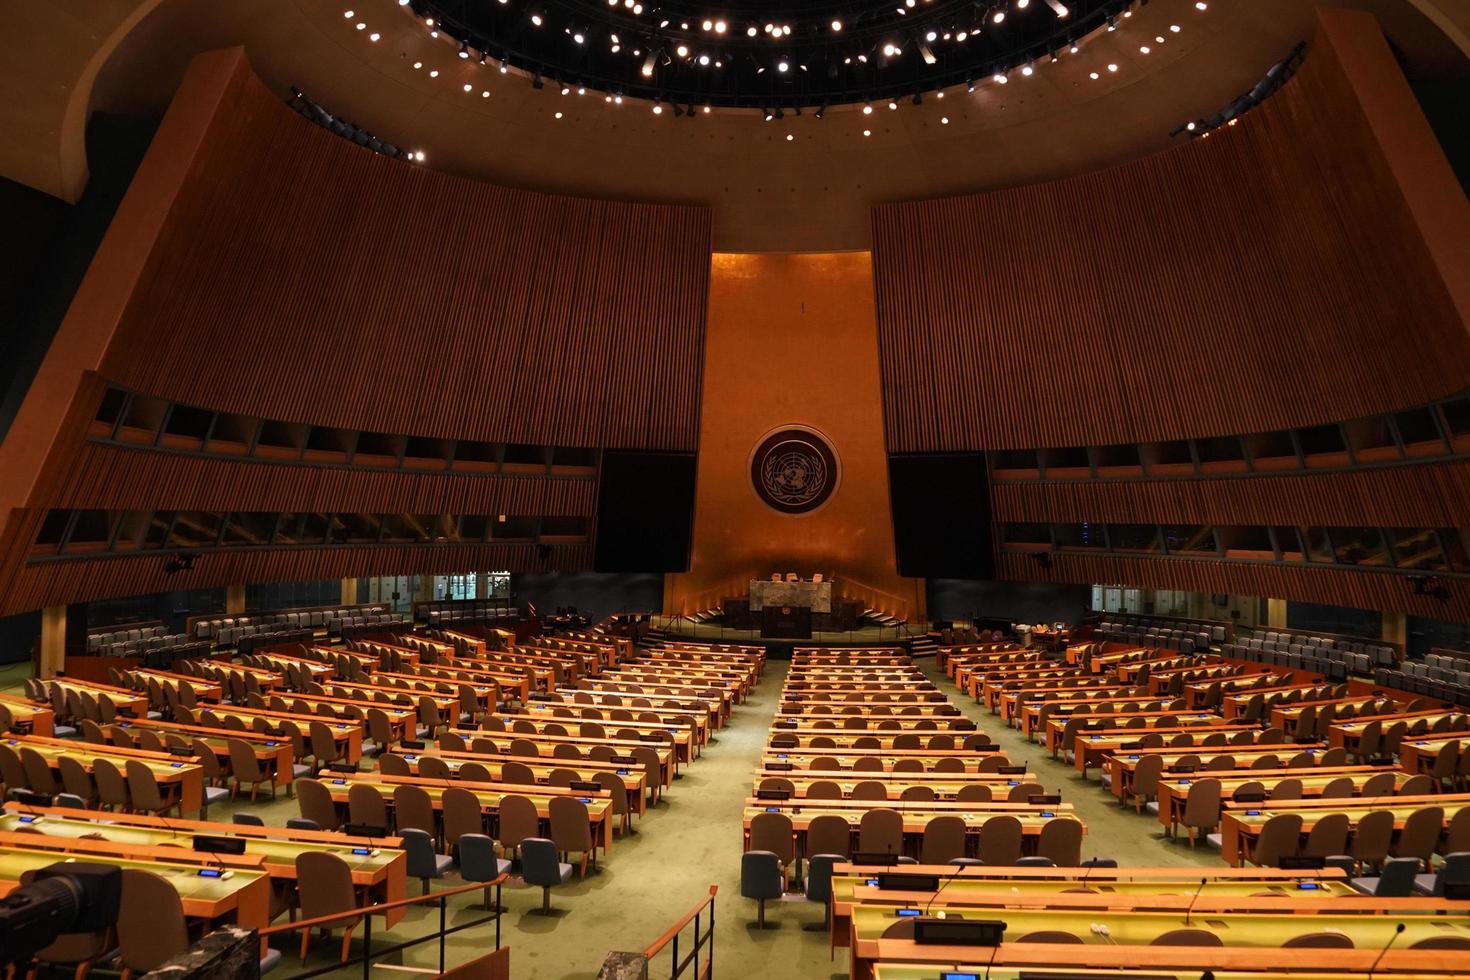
x=1193, y=898
x=959, y=870
x=1398, y=929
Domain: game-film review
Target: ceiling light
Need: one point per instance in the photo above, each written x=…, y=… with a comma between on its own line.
x=750, y=31
x=867, y=108
x=417, y=65
x=464, y=51
x=892, y=104
x=536, y=19
x=419, y=156
x=1000, y=77
x=350, y=13
x=1093, y=75
x=1174, y=28
x=837, y=25
x=1144, y=49
x=558, y=115
x=682, y=51
x=704, y=59
x=789, y=137
x=361, y=26
x=648, y=62
x=1201, y=5
x=1027, y=70
x=504, y=66
x=1112, y=67
x=961, y=36
x=720, y=27
x=1022, y=4
x=469, y=88
x=708, y=25
x=867, y=132
x=434, y=73
x=769, y=115
x=1058, y=8
x=931, y=36
x=944, y=120
x=566, y=89
x=658, y=110
x=998, y=17
x=374, y=36
x=579, y=37
x=782, y=66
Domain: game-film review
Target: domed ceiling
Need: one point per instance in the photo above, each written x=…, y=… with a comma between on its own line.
x=879, y=100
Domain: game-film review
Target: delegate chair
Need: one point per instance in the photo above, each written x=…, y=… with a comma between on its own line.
x=424, y=862
x=762, y=878
x=539, y=866
x=479, y=862
x=150, y=923
x=325, y=885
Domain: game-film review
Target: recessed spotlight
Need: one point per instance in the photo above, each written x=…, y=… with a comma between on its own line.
x=682, y=51
x=708, y=25
x=1027, y=70
x=484, y=93
x=419, y=156
x=468, y=87
x=374, y=36
x=944, y=120
x=1174, y=28
x=892, y=105
x=1201, y=5
x=349, y=14
x=1073, y=49
x=704, y=59
x=1000, y=78
x=837, y=25
x=720, y=27
x=434, y=73
x=566, y=89
x=998, y=17
x=658, y=110
x=558, y=115
x=536, y=19
x=783, y=66
x=868, y=109
x=361, y=26
x=789, y=137
x=1189, y=126
x=579, y=37
x=751, y=31
x=417, y=65
x=867, y=132
x=1093, y=75
x=1112, y=67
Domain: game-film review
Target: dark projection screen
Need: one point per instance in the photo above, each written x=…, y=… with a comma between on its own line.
x=645, y=512
x=941, y=515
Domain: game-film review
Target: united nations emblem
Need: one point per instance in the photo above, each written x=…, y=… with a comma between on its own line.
x=794, y=471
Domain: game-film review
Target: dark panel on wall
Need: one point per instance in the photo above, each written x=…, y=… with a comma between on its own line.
x=305, y=278
x=592, y=594
x=1316, y=616
x=1413, y=495
x=1269, y=276
x=1019, y=602
x=1333, y=586
x=645, y=512
x=941, y=507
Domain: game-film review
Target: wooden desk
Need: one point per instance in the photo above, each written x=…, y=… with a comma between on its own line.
x=243, y=897
x=634, y=780
x=1346, y=733
x=946, y=785
x=1121, y=721
x=127, y=702
x=599, y=804
x=1092, y=747
x=170, y=771
x=1240, y=824
x=668, y=753
x=30, y=717
x=801, y=758
x=916, y=815
x=207, y=689
x=694, y=726
x=346, y=734
x=274, y=754
x=1119, y=766
x=382, y=869
x=1173, y=789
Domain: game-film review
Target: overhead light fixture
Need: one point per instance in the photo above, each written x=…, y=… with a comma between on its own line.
x=927, y=53
x=1058, y=8
x=648, y=62
x=464, y=50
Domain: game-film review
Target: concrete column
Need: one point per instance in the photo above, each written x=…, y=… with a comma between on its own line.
x=1396, y=628
x=349, y=592
x=53, y=641
x=234, y=600
x=1276, y=613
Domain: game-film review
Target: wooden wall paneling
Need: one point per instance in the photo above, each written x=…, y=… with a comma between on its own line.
x=1268, y=276
x=1411, y=495
x=1331, y=586
x=113, y=477
x=302, y=277
x=50, y=583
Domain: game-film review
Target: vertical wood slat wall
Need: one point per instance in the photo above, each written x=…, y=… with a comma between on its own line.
x=304, y=278
x=1268, y=276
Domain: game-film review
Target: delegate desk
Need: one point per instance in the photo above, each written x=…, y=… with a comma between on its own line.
x=716, y=703
x=1302, y=968
x=203, y=687
x=599, y=804
x=916, y=815
x=946, y=785
x=1118, y=768
x=1033, y=715
x=1121, y=721
x=490, y=743
x=174, y=775
x=1277, y=921
x=487, y=692
x=779, y=759
x=847, y=879
x=379, y=869
x=1347, y=733
x=682, y=743
x=842, y=711
x=29, y=717
x=346, y=734
x=517, y=686
x=1173, y=788
x=692, y=726
x=845, y=739
x=1092, y=746
x=242, y=896
x=273, y=754
x=1285, y=716
x=1420, y=754
x=632, y=775
x=1241, y=823
x=127, y=702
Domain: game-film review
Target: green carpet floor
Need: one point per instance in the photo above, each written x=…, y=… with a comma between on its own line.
x=692, y=840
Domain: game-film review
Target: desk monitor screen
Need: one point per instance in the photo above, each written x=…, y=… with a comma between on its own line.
x=409, y=743
x=878, y=859
x=364, y=830
x=958, y=932
x=772, y=794
x=341, y=767
x=781, y=766
x=1049, y=799
x=1012, y=770
x=212, y=844
x=899, y=881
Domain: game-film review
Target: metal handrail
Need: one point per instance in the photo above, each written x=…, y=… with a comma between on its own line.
x=671, y=936
x=367, y=912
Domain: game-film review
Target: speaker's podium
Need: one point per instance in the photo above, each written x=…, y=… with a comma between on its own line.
x=786, y=622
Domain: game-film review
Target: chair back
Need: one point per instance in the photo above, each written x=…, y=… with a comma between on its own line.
x=773, y=832
x=324, y=883
x=1000, y=840
x=38, y=771
x=880, y=831
x=944, y=840
x=1372, y=835
x=75, y=778
x=1061, y=840
x=316, y=804
x=1420, y=834
x=112, y=786
x=366, y=806
x=150, y=921
x=1279, y=838
x=517, y=820
x=828, y=834
x=462, y=815
x=540, y=864
x=1397, y=878
x=571, y=826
